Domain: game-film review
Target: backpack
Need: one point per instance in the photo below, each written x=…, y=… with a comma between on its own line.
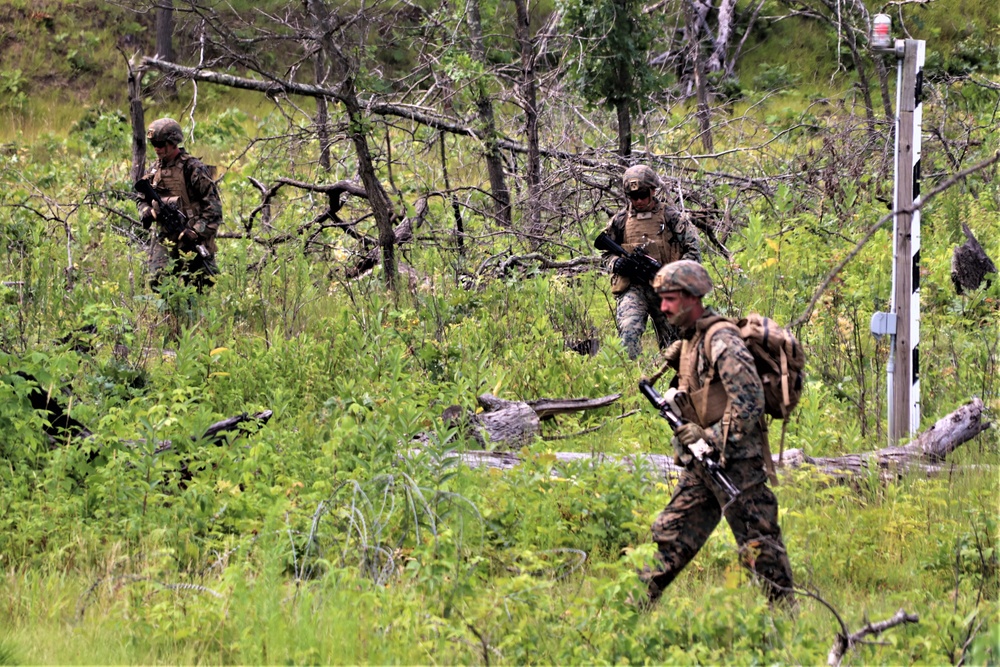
x=778, y=357
x=780, y=363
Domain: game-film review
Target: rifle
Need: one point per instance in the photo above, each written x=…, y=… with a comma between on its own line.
x=711, y=466
x=172, y=220
x=636, y=264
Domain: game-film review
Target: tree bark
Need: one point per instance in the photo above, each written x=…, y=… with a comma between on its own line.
x=727, y=16
x=165, y=30
x=455, y=208
x=511, y=424
x=322, y=113
x=165, y=42
x=484, y=107
x=624, y=130
x=529, y=102
x=138, y=121
x=695, y=19
x=381, y=205
x=403, y=233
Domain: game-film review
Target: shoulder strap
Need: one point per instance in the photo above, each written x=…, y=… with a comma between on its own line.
x=719, y=324
x=688, y=366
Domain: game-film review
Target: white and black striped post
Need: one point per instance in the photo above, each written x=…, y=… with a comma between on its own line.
x=903, y=321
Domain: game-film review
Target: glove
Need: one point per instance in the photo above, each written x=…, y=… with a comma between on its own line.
x=621, y=267
x=682, y=456
x=672, y=355
x=695, y=439
x=189, y=235
x=147, y=217
x=690, y=433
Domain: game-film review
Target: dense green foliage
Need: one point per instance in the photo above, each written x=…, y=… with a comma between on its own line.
x=333, y=535
x=612, y=41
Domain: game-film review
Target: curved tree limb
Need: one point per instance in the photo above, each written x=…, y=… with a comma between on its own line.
x=843, y=643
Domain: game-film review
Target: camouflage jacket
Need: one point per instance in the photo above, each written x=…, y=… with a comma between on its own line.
x=200, y=203
x=731, y=364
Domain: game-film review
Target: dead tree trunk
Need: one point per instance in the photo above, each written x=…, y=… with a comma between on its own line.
x=695, y=19
x=137, y=118
x=727, y=19
x=455, y=208
x=377, y=196
x=403, y=233
x=624, y=130
x=165, y=44
x=484, y=105
x=529, y=102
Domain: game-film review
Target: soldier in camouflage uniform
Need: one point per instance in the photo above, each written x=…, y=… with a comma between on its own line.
x=728, y=404
x=665, y=234
x=187, y=182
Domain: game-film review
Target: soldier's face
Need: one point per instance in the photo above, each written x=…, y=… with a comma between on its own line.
x=680, y=308
x=165, y=151
x=643, y=202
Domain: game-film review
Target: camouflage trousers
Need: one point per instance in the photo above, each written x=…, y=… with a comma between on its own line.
x=636, y=305
x=166, y=258
x=693, y=513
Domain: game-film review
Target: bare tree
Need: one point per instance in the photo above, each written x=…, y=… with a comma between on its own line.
x=165, y=30
x=484, y=104
x=165, y=42
x=529, y=102
x=694, y=13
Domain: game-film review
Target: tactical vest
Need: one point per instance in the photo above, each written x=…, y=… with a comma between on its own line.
x=171, y=182
x=648, y=230
x=710, y=400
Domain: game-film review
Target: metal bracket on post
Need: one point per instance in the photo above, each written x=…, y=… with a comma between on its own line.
x=883, y=324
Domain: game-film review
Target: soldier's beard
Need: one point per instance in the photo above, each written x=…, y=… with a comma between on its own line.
x=680, y=319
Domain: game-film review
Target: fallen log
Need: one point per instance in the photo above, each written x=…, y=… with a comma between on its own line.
x=925, y=454
x=215, y=434
x=511, y=424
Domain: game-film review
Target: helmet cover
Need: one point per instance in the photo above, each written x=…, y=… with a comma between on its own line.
x=683, y=275
x=165, y=130
x=638, y=177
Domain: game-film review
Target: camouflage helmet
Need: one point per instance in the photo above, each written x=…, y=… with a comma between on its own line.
x=166, y=130
x=685, y=275
x=638, y=177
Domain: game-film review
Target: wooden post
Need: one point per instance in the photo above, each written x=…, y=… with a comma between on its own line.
x=904, y=366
